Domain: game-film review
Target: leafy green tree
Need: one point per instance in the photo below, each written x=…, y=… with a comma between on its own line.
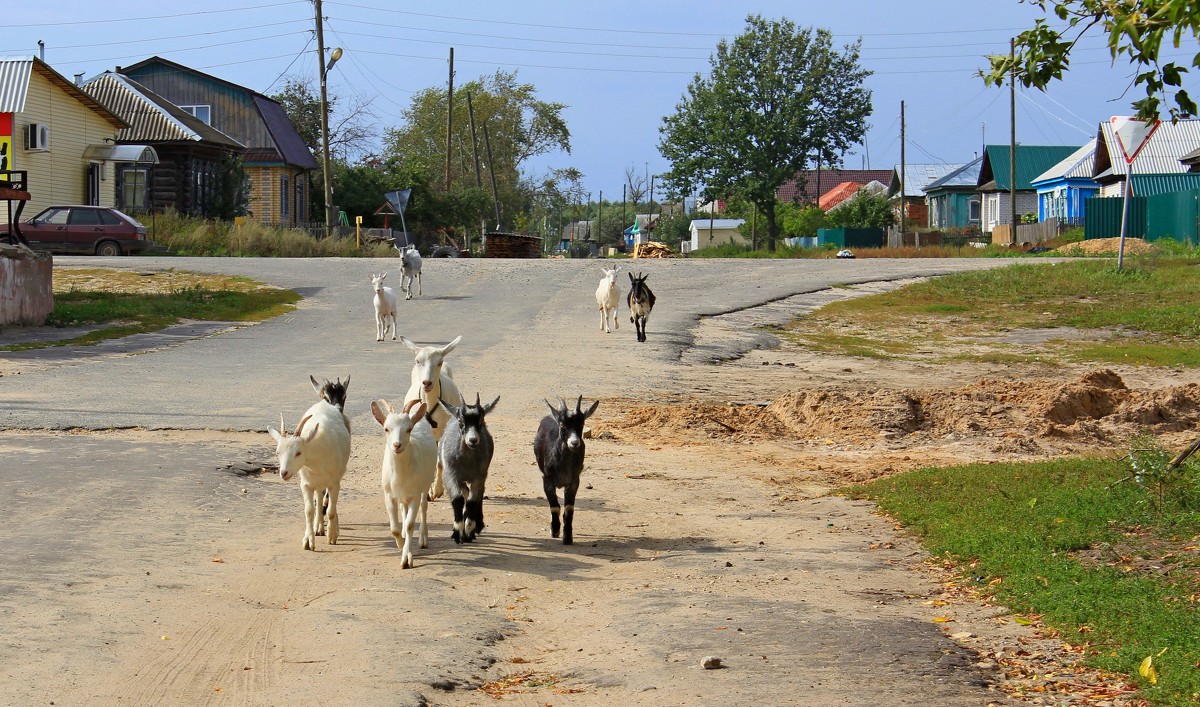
x=863, y=210
x=230, y=194
x=519, y=125
x=774, y=98
x=1135, y=30
x=800, y=220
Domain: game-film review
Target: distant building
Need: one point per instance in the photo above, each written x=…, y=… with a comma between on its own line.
x=709, y=233
x=1063, y=190
x=995, y=186
x=808, y=185
x=952, y=201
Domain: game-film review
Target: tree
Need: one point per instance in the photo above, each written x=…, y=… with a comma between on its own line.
x=230, y=193
x=863, y=210
x=519, y=125
x=800, y=220
x=1136, y=30
x=774, y=98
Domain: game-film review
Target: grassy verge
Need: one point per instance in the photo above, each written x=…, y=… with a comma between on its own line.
x=1108, y=565
x=128, y=303
x=1151, y=311
x=187, y=235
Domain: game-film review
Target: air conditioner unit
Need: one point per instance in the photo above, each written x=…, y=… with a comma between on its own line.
x=37, y=136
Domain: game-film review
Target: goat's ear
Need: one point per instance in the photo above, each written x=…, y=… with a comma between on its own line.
x=378, y=412
x=316, y=386
x=346, y=385
x=410, y=345
x=455, y=411
x=553, y=410
x=275, y=434
x=417, y=413
x=631, y=278
x=450, y=346
x=491, y=406
x=591, y=410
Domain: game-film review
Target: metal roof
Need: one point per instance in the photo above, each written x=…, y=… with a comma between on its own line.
x=143, y=154
x=14, y=82
x=828, y=178
x=1078, y=165
x=702, y=224
x=965, y=176
x=1154, y=184
x=151, y=117
x=287, y=140
x=1032, y=160
x=1169, y=144
x=917, y=177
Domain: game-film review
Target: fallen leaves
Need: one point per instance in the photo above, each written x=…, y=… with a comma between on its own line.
x=525, y=682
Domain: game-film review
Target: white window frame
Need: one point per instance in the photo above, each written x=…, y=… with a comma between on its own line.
x=200, y=111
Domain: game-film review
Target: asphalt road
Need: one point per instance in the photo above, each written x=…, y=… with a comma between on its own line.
x=140, y=569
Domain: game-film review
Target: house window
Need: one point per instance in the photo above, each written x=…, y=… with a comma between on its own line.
x=973, y=210
x=134, y=189
x=201, y=112
x=284, y=200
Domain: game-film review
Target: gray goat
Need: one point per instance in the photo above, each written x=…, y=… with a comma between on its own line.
x=466, y=453
x=559, y=450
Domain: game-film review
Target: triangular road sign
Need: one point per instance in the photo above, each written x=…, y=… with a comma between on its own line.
x=1132, y=134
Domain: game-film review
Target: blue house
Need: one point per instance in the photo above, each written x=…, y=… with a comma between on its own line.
x=1063, y=190
x=952, y=200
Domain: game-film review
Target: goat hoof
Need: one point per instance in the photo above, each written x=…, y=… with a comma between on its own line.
x=456, y=538
x=568, y=541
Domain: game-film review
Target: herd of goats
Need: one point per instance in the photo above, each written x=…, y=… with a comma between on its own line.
x=436, y=442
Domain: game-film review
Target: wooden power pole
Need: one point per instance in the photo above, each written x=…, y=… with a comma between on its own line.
x=449, y=118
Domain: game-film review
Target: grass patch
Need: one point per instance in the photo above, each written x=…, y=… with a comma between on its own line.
x=192, y=236
x=850, y=345
x=1157, y=298
x=1068, y=541
x=131, y=303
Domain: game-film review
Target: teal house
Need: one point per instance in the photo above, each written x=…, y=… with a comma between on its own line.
x=953, y=201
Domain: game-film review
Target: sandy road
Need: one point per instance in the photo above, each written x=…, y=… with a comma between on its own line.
x=142, y=572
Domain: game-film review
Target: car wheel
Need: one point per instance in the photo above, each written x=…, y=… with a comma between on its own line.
x=445, y=251
x=108, y=248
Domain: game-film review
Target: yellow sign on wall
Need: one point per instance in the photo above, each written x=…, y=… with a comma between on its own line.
x=6, y=144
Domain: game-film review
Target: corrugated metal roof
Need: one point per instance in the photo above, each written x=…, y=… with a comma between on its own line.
x=917, y=177
x=1161, y=154
x=1153, y=184
x=965, y=176
x=151, y=117
x=14, y=82
x=701, y=224
x=1076, y=166
x=791, y=191
x=1032, y=160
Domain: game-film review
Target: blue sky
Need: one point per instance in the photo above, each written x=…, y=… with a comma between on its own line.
x=619, y=66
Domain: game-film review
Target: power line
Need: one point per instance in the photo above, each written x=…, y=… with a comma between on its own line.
x=290, y=65
x=159, y=39
x=154, y=17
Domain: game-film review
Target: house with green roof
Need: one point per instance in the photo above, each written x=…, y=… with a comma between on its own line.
x=995, y=184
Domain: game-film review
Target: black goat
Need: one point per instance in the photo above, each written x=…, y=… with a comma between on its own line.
x=641, y=301
x=466, y=453
x=559, y=450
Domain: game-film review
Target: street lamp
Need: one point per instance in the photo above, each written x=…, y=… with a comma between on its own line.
x=325, y=67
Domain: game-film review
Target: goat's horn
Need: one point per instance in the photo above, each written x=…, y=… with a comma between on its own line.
x=579, y=406
x=282, y=427
x=301, y=425
x=477, y=399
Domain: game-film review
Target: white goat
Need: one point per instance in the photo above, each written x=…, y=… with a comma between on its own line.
x=410, y=267
x=608, y=297
x=433, y=383
x=385, y=307
x=409, y=465
x=318, y=451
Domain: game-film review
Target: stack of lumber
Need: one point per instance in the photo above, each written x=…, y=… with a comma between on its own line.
x=653, y=249
x=511, y=245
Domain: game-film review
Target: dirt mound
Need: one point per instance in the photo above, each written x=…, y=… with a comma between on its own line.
x=1097, y=409
x=1102, y=246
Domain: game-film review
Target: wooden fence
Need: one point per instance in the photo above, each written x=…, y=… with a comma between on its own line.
x=1026, y=233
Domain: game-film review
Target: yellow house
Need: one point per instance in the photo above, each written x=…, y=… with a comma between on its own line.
x=56, y=133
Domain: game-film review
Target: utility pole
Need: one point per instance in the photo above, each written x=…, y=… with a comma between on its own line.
x=328, y=189
x=1012, y=140
x=902, y=170
x=487, y=143
x=600, y=220
x=478, y=174
x=450, y=120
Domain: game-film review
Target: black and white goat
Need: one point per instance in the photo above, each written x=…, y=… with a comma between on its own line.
x=335, y=395
x=559, y=450
x=641, y=301
x=466, y=453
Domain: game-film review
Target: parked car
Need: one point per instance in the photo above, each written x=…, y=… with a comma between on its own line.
x=83, y=229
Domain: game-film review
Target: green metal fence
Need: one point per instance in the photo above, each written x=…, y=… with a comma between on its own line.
x=1173, y=215
x=1102, y=218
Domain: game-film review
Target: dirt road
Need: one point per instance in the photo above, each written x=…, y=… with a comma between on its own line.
x=146, y=567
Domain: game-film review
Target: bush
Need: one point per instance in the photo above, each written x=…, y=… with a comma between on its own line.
x=187, y=235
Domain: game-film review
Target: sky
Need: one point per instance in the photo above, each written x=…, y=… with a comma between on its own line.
x=619, y=66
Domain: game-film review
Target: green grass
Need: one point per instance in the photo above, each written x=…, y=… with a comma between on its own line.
x=134, y=313
x=189, y=235
x=1158, y=302
x=1021, y=523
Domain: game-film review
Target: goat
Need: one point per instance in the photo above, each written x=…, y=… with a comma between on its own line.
x=433, y=384
x=410, y=267
x=608, y=297
x=335, y=395
x=641, y=301
x=318, y=452
x=385, y=307
x=409, y=463
x=558, y=448
x=466, y=453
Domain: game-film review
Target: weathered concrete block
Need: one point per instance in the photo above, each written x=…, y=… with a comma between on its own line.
x=26, y=290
